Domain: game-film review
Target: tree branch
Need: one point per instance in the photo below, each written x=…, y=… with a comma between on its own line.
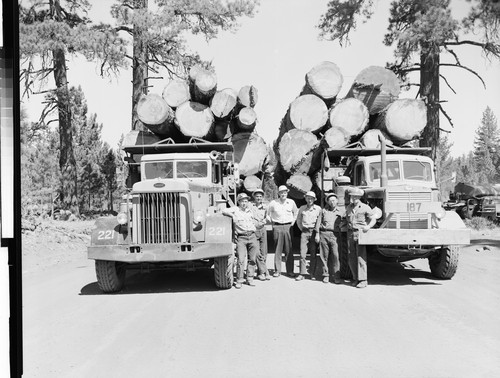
x=448, y=84
x=465, y=68
x=446, y=115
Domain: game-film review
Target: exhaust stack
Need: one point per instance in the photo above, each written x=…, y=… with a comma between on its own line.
x=383, y=162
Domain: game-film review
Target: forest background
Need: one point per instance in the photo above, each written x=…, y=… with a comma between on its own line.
x=246, y=43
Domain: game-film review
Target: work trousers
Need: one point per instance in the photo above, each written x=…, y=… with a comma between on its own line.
x=283, y=245
x=357, y=256
x=246, y=249
x=261, y=234
x=308, y=244
x=329, y=249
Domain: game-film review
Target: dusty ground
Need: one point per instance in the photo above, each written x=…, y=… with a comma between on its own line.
x=405, y=324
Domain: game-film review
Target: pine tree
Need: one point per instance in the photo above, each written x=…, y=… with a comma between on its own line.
x=486, y=148
x=108, y=169
x=49, y=31
x=444, y=167
x=423, y=31
x=158, y=35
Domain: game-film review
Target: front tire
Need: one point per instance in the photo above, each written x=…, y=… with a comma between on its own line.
x=444, y=263
x=110, y=275
x=223, y=271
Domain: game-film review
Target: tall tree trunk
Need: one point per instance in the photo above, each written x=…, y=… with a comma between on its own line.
x=139, y=68
x=429, y=90
x=67, y=161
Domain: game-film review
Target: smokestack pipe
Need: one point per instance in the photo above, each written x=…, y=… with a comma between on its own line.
x=383, y=162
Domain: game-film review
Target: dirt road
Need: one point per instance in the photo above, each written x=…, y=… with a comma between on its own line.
x=405, y=324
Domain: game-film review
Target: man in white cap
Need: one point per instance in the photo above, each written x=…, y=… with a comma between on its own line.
x=359, y=219
x=260, y=213
x=246, y=241
x=282, y=213
x=329, y=226
x=306, y=222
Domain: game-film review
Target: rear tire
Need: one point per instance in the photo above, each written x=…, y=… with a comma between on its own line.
x=444, y=263
x=110, y=275
x=223, y=271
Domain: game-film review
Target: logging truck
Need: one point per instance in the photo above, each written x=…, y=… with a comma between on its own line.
x=400, y=187
x=170, y=217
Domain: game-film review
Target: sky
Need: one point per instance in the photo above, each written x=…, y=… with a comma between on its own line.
x=273, y=51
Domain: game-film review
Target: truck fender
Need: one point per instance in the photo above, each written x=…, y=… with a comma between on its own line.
x=219, y=229
x=107, y=231
x=452, y=221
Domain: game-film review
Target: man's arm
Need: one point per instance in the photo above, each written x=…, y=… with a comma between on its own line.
x=268, y=212
x=319, y=220
x=298, y=219
x=295, y=212
x=372, y=218
x=228, y=211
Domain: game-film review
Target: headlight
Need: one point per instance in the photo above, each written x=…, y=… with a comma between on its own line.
x=441, y=214
x=122, y=218
x=198, y=216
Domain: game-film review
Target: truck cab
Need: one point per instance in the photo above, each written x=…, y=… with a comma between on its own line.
x=170, y=218
x=400, y=186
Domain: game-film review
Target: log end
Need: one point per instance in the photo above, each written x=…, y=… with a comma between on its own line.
x=308, y=112
x=176, y=92
x=351, y=115
x=248, y=96
x=325, y=80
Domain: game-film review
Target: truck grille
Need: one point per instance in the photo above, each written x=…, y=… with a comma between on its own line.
x=410, y=220
x=158, y=218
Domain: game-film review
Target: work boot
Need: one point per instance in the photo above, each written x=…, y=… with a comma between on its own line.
x=237, y=285
x=326, y=280
x=268, y=276
x=337, y=280
x=261, y=277
x=276, y=274
x=361, y=284
x=300, y=277
x=250, y=283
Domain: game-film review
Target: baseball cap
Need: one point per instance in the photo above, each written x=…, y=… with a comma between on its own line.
x=241, y=196
x=310, y=194
x=256, y=191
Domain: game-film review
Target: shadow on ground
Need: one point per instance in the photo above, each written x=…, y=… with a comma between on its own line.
x=171, y=281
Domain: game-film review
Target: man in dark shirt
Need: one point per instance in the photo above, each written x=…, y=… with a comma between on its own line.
x=329, y=227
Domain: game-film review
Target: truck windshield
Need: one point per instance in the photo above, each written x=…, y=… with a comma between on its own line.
x=162, y=169
x=392, y=170
x=417, y=170
x=192, y=169
x=184, y=169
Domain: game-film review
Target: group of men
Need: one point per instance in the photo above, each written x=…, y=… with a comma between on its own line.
x=321, y=228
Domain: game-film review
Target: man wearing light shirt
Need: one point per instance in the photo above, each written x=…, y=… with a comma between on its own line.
x=306, y=222
x=246, y=241
x=282, y=213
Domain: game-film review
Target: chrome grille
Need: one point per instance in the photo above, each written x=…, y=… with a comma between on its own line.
x=158, y=218
x=410, y=221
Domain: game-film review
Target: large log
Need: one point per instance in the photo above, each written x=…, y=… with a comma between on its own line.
x=351, y=115
x=403, y=120
x=194, y=119
x=252, y=183
x=156, y=115
x=248, y=96
x=370, y=139
x=246, y=120
x=336, y=137
x=324, y=80
x=176, y=92
x=223, y=103
x=299, y=184
x=376, y=87
x=308, y=112
x=202, y=84
x=250, y=152
x=295, y=150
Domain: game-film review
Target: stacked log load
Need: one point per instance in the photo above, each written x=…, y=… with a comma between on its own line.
x=196, y=108
x=318, y=119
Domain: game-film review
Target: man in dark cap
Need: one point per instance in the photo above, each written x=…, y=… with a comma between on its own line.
x=329, y=227
x=359, y=219
x=246, y=241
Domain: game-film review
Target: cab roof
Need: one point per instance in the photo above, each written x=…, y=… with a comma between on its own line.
x=180, y=156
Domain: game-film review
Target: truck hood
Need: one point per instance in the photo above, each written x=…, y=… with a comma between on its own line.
x=161, y=185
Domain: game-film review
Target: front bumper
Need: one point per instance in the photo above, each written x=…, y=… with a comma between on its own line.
x=417, y=237
x=159, y=252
